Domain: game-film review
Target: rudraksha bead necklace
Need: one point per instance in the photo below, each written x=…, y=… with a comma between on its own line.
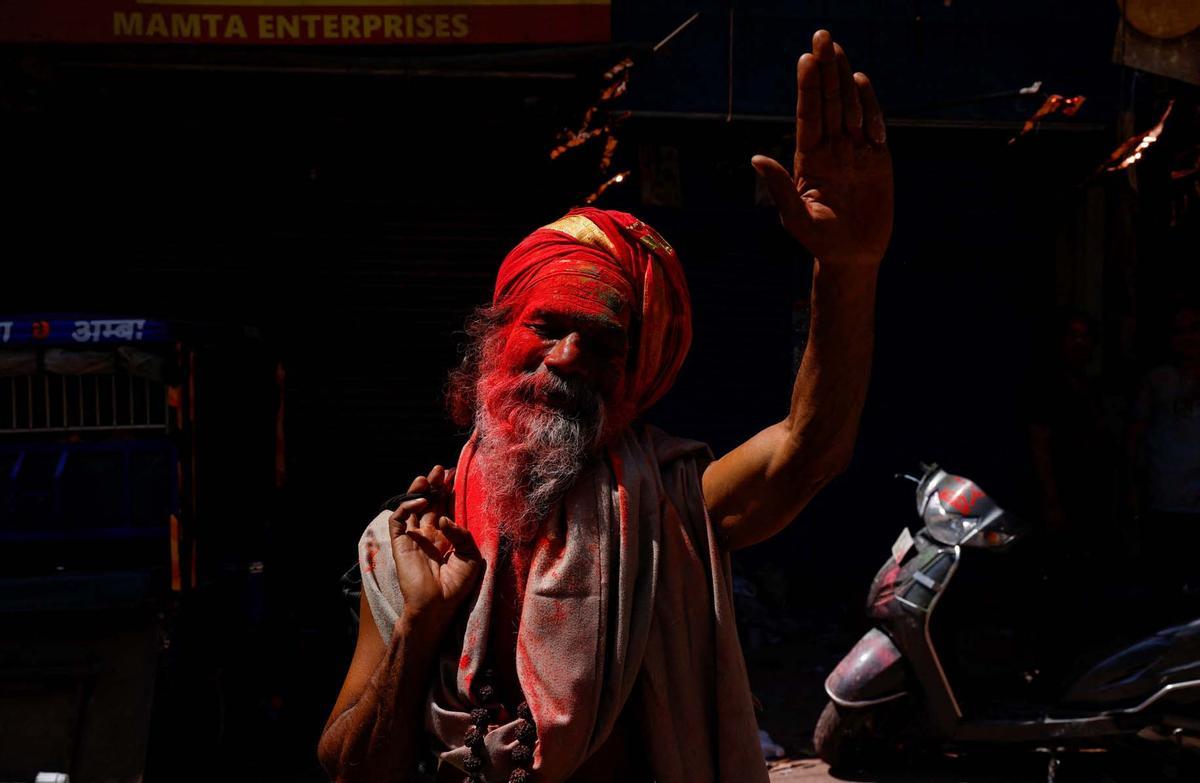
x=473, y=737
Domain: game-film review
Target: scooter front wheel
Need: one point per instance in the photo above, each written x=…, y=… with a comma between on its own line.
x=856, y=737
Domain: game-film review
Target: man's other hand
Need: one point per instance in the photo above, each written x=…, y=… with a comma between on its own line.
x=437, y=562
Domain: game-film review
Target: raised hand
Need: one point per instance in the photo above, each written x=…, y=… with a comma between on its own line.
x=437, y=562
x=838, y=199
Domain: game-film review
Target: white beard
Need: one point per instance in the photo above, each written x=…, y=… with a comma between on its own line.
x=532, y=453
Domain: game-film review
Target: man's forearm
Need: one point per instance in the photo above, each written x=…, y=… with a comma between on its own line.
x=758, y=488
x=377, y=738
x=831, y=386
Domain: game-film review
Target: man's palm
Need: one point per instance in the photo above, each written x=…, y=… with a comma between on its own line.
x=437, y=562
x=837, y=201
x=428, y=581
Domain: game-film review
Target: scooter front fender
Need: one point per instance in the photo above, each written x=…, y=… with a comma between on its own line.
x=872, y=673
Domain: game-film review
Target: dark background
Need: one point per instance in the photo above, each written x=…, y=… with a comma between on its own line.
x=340, y=211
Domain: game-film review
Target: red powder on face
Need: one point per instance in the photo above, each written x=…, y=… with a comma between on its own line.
x=577, y=325
x=601, y=256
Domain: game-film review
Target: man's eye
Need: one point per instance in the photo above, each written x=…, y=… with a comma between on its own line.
x=540, y=329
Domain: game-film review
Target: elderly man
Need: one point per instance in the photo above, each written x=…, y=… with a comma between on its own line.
x=557, y=607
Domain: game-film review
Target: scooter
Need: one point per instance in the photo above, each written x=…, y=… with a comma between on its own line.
x=895, y=691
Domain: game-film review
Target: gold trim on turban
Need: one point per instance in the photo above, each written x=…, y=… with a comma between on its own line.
x=583, y=231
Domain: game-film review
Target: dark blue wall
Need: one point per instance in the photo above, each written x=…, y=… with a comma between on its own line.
x=919, y=52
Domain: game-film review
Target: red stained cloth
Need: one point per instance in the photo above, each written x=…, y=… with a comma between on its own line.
x=628, y=602
x=621, y=253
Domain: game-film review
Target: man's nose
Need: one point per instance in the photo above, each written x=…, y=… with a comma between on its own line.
x=566, y=356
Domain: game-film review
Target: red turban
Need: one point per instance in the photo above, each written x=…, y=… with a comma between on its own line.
x=621, y=253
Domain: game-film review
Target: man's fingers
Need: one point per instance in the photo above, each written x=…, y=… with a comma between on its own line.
x=436, y=475
x=779, y=183
x=395, y=527
x=428, y=523
x=412, y=522
x=404, y=527
x=851, y=108
x=420, y=484
x=808, y=103
x=404, y=518
x=792, y=210
x=412, y=506
x=831, y=92
x=433, y=529
x=407, y=508
x=872, y=115
x=461, y=538
x=427, y=545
